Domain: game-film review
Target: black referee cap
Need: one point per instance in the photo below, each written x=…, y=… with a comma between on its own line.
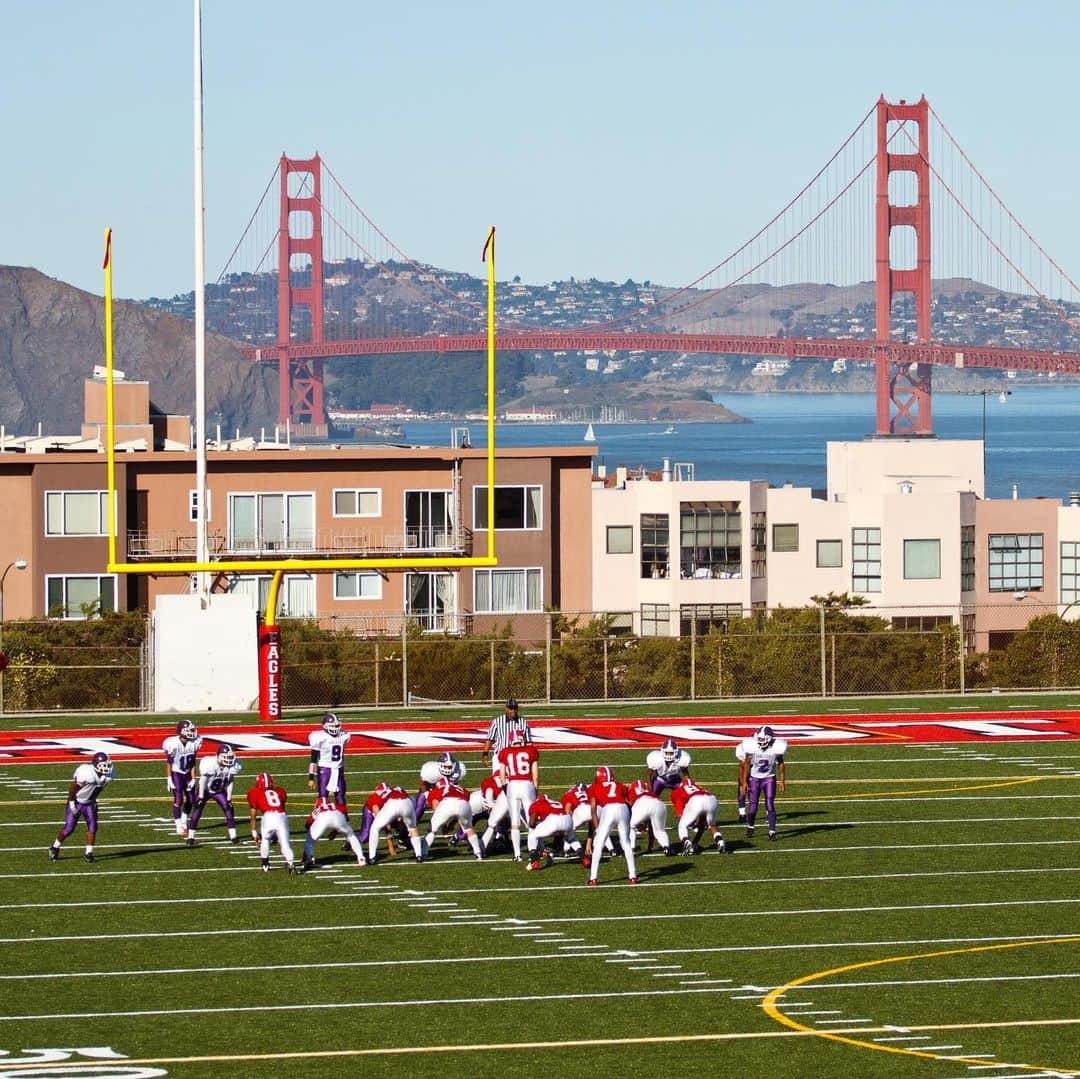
x=511, y=705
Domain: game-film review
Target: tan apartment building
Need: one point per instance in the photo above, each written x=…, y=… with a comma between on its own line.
x=271, y=500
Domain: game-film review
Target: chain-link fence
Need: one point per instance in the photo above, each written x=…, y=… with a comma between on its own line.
x=823, y=651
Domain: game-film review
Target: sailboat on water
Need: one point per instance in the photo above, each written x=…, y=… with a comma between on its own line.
x=590, y=434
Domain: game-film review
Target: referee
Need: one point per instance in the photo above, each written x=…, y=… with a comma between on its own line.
x=502, y=727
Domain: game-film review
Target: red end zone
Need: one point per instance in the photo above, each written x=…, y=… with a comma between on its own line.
x=45, y=746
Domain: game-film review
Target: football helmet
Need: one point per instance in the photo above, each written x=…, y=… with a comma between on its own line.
x=670, y=750
x=102, y=765
x=264, y=781
x=517, y=738
x=331, y=724
x=226, y=756
x=604, y=775
x=764, y=737
x=187, y=730
x=447, y=764
x=382, y=789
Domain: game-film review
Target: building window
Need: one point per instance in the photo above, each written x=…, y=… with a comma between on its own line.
x=429, y=601
x=354, y=584
x=922, y=559
x=1070, y=572
x=710, y=539
x=76, y=513
x=699, y=618
x=78, y=597
x=271, y=521
x=967, y=558
x=296, y=597
x=507, y=591
x=655, y=620
x=515, y=507
x=355, y=502
x=830, y=554
x=757, y=543
x=193, y=505
x=866, y=560
x=785, y=537
x=429, y=519
x=620, y=539
x=654, y=545
x=1016, y=562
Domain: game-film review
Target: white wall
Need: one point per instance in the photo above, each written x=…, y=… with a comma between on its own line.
x=205, y=659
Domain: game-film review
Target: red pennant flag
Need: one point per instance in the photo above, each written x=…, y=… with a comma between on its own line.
x=489, y=242
x=108, y=249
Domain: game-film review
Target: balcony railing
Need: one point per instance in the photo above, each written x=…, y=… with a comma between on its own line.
x=326, y=543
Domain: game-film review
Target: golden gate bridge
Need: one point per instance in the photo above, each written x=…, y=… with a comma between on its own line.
x=898, y=200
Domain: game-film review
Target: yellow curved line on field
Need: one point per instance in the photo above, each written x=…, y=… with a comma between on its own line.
x=939, y=790
x=769, y=1004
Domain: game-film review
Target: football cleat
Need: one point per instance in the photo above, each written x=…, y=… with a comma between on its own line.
x=291, y=867
x=517, y=857
x=721, y=846
x=772, y=837
x=102, y=765
x=593, y=883
x=235, y=840
x=749, y=831
x=190, y=841
x=669, y=851
x=742, y=812
x=633, y=880
x=418, y=858
x=54, y=854
x=266, y=865
x=88, y=856
x=687, y=847
x=532, y=866
x=331, y=724
x=361, y=860
x=764, y=737
x=309, y=863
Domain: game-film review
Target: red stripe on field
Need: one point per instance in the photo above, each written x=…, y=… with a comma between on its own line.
x=123, y=743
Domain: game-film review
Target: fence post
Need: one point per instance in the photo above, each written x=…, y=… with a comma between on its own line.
x=491, y=664
x=832, y=648
x=547, y=661
x=962, y=649
x=693, y=659
x=821, y=624
x=377, y=665
x=605, y=670
x=720, y=667
x=404, y=663
x=944, y=663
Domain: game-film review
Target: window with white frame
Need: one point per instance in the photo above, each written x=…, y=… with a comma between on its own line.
x=1070, y=572
x=1015, y=562
x=516, y=507
x=922, y=559
x=430, y=601
x=76, y=513
x=866, y=560
x=357, y=502
x=193, y=505
x=296, y=597
x=271, y=521
x=357, y=584
x=76, y=596
x=508, y=591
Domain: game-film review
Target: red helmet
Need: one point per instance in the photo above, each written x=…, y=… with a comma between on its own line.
x=264, y=781
x=382, y=789
x=605, y=775
x=517, y=738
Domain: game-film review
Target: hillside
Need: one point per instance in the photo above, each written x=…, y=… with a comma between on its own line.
x=52, y=334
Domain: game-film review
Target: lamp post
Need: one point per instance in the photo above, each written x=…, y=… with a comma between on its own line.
x=18, y=563
x=984, y=394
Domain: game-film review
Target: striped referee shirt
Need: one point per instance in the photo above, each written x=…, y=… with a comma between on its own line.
x=502, y=727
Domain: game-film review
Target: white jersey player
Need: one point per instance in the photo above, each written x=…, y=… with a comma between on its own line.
x=667, y=766
x=87, y=783
x=180, y=752
x=327, y=766
x=216, y=776
x=327, y=818
x=761, y=769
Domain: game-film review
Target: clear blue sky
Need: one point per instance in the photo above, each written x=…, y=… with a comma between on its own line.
x=608, y=139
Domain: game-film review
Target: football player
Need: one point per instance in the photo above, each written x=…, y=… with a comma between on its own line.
x=520, y=769
x=609, y=811
x=180, y=751
x=667, y=766
x=446, y=767
x=388, y=804
x=647, y=812
x=575, y=801
x=326, y=768
x=549, y=820
x=87, y=783
x=270, y=801
x=450, y=804
x=493, y=805
x=761, y=770
x=326, y=817
x=696, y=808
x=216, y=775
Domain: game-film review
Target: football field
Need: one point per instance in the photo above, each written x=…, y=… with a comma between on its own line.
x=919, y=916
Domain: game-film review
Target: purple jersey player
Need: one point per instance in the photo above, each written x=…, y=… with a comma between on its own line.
x=216, y=775
x=327, y=767
x=761, y=769
x=87, y=783
x=180, y=750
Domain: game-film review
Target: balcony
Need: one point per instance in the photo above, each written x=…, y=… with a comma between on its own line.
x=179, y=546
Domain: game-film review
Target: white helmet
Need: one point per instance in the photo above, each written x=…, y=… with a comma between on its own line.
x=448, y=764
x=226, y=756
x=331, y=724
x=670, y=750
x=764, y=737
